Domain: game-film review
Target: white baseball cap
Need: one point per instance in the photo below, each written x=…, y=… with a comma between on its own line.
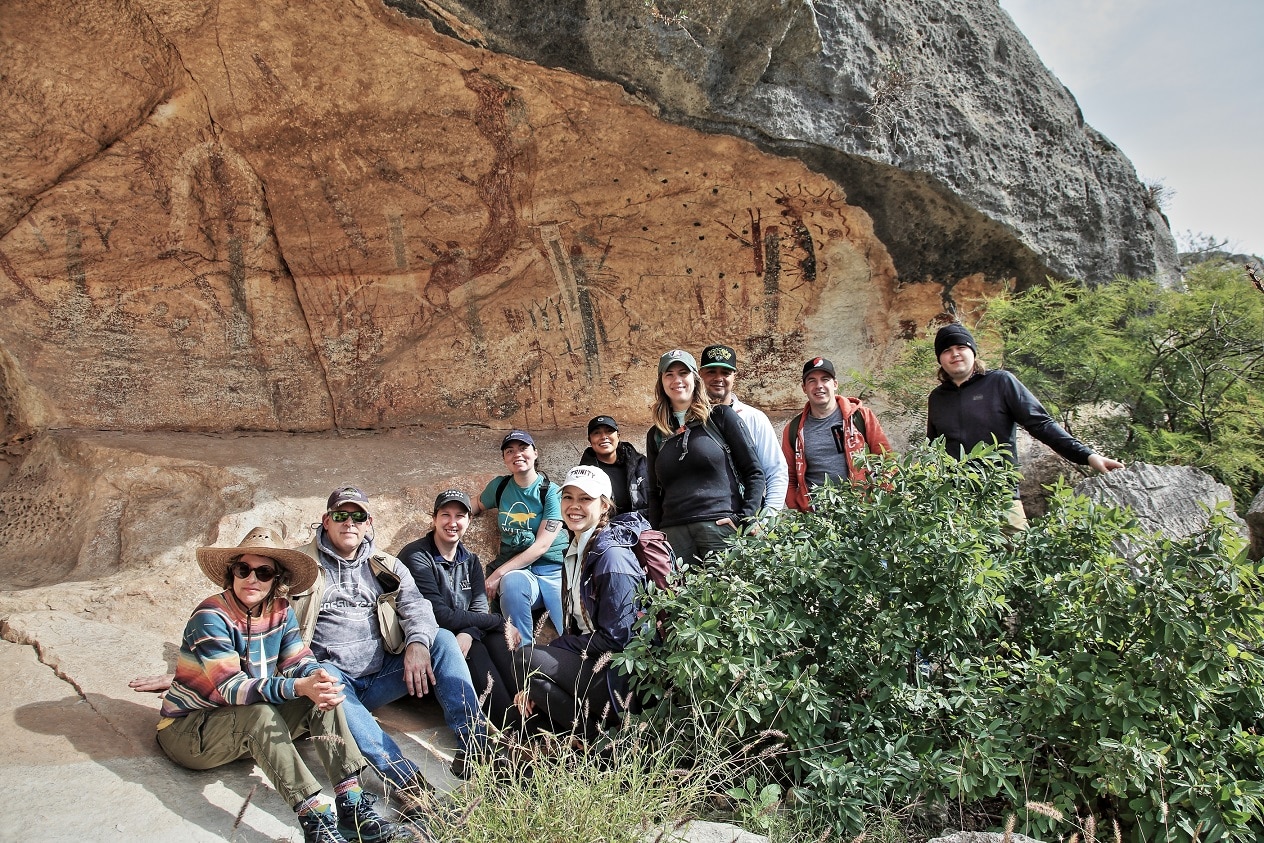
x=591, y=481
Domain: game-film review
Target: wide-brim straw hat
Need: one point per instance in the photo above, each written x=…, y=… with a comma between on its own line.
x=261, y=541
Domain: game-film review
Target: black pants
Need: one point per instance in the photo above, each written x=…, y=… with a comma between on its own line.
x=565, y=690
x=495, y=682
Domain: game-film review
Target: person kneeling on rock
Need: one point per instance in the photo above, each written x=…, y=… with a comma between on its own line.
x=246, y=684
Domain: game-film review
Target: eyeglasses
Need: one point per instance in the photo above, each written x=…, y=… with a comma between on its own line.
x=264, y=573
x=339, y=515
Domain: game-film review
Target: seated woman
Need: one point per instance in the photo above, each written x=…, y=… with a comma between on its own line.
x=527, y=573
x=246, y=684
x=450, y=576
x=621, y=461
x=570, y=682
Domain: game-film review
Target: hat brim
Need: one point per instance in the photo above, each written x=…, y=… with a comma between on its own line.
x=728, y=366
x=214, y=562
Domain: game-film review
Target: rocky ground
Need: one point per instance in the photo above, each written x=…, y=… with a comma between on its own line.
x=79, y=745
x=97, y=579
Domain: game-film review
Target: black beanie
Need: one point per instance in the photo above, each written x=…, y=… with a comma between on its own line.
x=954, y=334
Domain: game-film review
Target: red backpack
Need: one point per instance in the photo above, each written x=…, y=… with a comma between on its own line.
x=657, y=558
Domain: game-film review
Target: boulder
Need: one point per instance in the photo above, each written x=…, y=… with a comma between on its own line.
x=1255, y=522
x=1173, y=500
x=700, y=831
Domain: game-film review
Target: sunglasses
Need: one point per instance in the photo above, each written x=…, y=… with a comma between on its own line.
x=264, y=573
x=339, y=515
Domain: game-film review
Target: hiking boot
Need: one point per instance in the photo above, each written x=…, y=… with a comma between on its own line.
x=462, y=767
x=416, y=803
x=360, y=823
x=320, y=827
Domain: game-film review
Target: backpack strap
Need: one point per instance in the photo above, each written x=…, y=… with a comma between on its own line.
x=504, y=484
x=720, y=439
x=857, y=420
x=794, y=432
x=500, y=490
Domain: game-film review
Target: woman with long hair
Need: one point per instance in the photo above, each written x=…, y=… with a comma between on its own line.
x=247, y=685
x=704, y=476
x=571, y=682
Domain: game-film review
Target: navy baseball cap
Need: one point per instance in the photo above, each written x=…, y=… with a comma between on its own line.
x=517, y=436
x=602, y=421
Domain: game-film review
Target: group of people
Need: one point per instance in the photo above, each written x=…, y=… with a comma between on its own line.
x=312, y=640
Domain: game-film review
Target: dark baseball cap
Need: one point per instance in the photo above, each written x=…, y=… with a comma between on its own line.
x=602, y=421
x=819, y=363
x=517, y=436
x=348, y=494
x=720, y=356
x=450, y=495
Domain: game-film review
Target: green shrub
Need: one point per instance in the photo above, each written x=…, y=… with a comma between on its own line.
x=913, y=654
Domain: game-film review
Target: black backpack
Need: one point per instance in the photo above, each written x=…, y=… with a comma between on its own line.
x=504, y=484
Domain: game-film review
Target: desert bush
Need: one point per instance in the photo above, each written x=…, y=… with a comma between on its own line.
x=913, y=654
x=632, y=784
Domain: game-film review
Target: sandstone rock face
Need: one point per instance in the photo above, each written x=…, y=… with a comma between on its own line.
x=939, y=117
x=1169, y=499
x=315, y=217
x=297, y=217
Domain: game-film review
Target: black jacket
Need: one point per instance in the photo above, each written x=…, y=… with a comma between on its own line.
x=633, y=463
x=457, y=590
x=692, y=478
x=990, y=407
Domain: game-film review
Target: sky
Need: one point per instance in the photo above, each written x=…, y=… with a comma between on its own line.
x=1179, y=87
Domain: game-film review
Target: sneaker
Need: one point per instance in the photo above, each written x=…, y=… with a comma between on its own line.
x=359, y=822
x=320, y=827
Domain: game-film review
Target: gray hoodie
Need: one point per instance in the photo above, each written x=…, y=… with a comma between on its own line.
x=346, y=632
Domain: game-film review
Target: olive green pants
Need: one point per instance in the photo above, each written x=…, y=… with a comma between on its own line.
x=206, y=739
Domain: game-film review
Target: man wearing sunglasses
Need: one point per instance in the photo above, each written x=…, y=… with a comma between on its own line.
x=355, y=636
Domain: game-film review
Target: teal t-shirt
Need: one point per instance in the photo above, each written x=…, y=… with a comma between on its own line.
x=519, y=513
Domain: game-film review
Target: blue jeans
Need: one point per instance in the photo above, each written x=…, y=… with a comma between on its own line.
x=527, y=589
x=452, y=687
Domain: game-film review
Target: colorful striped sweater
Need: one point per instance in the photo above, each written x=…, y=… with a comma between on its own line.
x=229, y=658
